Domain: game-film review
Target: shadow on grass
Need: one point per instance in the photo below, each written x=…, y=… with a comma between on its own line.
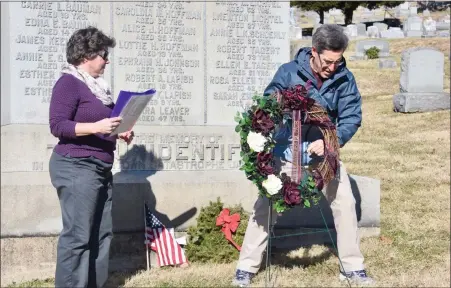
x=118, y=279
x=282, y=258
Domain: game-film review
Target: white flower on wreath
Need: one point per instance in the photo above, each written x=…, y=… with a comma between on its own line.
x=256, y=141
x=272, y=184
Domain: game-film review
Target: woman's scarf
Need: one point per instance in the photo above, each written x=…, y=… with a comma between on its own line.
x=98, y=86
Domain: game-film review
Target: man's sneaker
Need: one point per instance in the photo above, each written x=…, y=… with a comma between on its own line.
x=242, y=278
x=358, y=277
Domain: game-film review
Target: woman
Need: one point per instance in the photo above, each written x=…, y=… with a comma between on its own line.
x=80, y=166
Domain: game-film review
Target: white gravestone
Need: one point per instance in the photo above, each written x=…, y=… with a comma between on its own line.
x=295, y=29
x=351, y=31
x=363, y=45
x=392, y=33
x=421, y=81
x=373, y=32
x=429, y=27
x=413, y=27
x=381, y=26
x=361, y=30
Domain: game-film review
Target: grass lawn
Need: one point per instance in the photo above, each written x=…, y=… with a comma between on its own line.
x=410, y=154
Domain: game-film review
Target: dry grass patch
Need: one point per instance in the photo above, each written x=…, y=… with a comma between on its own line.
x=399, y=45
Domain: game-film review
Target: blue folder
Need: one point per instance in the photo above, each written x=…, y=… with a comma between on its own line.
x=124, y=97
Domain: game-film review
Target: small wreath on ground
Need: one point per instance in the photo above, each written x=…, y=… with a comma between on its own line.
x=256, y=128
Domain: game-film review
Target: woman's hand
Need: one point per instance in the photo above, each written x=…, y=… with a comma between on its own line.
x=127, y=136
x=107, y=125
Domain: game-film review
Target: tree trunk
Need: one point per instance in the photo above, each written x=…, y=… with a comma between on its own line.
x=321, y=16
x=348, y=15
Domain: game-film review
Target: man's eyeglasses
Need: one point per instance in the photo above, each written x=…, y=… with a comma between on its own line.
x=103, y=54
x=327, y=63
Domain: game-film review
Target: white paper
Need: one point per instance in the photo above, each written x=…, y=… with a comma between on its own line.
x=131, y=112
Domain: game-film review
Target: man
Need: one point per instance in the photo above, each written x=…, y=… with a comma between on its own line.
x=334, y=87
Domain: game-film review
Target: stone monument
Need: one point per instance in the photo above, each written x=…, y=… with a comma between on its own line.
x=421, y=81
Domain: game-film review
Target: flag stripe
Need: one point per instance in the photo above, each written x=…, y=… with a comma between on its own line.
x=163, y=245
x=168, y=244
x=162, y=241
x=157, y=243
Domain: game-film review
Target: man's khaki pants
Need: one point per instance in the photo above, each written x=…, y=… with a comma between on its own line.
x=339, y=195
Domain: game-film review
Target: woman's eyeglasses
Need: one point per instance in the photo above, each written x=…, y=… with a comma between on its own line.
x=103, y=54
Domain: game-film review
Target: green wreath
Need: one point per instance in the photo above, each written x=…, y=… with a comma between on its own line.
x=256, y=128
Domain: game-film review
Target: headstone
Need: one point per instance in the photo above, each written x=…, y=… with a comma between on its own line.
x=363, y=45
x=413, y=27
x=413, y=11
x=205, y=59
x=426, y=13
x=373, y=32
x=392, y=33
x=361, y=30
x=387, y=63
x=351, y=31
x=335, y=12
x=312, y=15
x=295, y=29
x=441, y=25
x=421, y=81
x=429, y=27
x=381, y=26
x=404, y=6
x=402, y=10
x=443, y=33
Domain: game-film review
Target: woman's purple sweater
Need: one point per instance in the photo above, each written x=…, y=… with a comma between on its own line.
x=73, y=102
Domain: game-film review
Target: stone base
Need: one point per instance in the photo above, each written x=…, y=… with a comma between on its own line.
x=414, y=33
x=322, y=238
x=357, y=57
x=421, y=102
x=25, y=259
x=387, y=63
x=40, y=215
x=443, y=33
x=176, y=196
x=429, y=34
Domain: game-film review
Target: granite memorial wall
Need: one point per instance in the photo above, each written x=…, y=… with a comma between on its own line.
x=205, y=59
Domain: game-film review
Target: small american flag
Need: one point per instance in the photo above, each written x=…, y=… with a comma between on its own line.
x=162, y=242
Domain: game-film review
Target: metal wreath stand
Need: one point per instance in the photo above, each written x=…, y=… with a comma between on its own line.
x=297, y=161
x=271, y=236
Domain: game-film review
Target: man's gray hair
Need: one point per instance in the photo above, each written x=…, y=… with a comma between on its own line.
x=330, y=37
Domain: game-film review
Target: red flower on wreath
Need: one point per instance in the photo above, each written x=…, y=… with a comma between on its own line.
x=318, y=179
x=296, y=98
x=291, y=193
x=261, y=122
x=264, y=163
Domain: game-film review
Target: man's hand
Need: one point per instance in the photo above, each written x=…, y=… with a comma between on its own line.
x=127, y=136
x=316, y=147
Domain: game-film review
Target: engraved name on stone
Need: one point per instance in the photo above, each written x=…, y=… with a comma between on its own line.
x=178, y=151
x=39, y=32
x=245, y=48
x=159, y=45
